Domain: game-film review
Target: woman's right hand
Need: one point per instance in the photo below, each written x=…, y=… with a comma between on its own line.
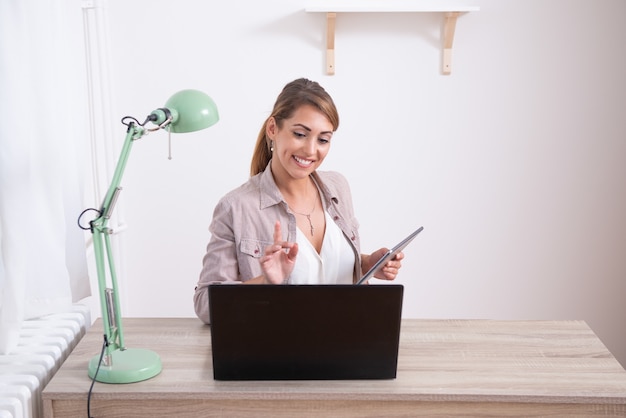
x=279, y=259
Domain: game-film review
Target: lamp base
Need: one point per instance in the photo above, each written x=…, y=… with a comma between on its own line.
x=127, y=366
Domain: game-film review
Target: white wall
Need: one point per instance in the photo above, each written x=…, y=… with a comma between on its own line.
x=515, y=164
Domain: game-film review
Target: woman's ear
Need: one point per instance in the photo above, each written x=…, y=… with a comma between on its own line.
x=271, y=128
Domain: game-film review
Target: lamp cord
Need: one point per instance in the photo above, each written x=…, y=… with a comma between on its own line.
x=87, y=228
x=105, y=343
x=130, y=121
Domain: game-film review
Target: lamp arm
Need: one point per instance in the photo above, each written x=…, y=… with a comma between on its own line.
x=109, y=302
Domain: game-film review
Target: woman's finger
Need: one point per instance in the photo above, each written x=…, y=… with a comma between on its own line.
x=278, y=236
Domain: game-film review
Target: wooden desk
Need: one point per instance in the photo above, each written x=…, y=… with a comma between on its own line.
x=445, y=368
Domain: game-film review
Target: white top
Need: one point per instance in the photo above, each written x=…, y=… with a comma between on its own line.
x=333, y=265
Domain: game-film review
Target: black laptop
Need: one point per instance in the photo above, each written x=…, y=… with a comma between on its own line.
x=312, y=332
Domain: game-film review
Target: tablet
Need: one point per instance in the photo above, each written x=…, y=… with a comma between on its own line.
x=389, y=255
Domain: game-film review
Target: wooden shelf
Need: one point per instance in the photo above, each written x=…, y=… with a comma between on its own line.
x=451, y=11
x=395, y=6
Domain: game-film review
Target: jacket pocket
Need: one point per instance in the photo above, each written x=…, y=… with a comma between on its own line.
x=253, y=247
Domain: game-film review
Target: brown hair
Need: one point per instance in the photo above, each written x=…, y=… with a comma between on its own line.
x=295, y=94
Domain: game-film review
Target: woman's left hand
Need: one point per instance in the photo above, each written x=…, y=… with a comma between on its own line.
x=389, y=270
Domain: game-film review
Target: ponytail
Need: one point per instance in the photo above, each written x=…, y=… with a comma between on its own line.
x=262, y=154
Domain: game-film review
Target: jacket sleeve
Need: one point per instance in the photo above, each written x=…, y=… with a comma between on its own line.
x=219, y=264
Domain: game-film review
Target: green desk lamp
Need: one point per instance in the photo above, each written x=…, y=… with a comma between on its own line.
x=185, y=111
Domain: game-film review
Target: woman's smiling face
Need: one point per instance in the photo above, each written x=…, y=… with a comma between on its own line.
x=300, y=144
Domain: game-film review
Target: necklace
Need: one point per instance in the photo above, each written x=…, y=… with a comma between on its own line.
x=308, y=216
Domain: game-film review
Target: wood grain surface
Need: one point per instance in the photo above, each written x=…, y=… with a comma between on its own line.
x=445, y=368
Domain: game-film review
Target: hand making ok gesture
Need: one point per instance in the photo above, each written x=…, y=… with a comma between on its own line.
x=279, y=258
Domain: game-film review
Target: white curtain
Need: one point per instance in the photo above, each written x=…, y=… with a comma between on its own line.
x=43, y=118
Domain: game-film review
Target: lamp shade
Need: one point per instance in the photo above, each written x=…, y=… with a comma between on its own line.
x=192, y=110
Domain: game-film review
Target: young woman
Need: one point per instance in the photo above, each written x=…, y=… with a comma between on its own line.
x=289, y=223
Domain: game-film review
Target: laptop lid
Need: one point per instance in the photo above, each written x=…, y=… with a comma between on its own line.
x=295, y=332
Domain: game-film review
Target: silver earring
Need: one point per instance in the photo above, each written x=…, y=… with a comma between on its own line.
x=271, y=146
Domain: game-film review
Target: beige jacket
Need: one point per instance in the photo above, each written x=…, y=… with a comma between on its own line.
x=243, y=225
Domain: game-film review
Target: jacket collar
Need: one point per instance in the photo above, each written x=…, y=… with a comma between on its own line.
x=270, y=195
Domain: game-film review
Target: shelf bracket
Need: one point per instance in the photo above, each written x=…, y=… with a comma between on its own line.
x=330, y=42
x=448, y=39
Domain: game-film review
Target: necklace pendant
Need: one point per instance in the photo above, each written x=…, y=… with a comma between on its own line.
x=308, y=217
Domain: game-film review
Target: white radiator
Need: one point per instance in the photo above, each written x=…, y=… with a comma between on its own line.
x=43, y=346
